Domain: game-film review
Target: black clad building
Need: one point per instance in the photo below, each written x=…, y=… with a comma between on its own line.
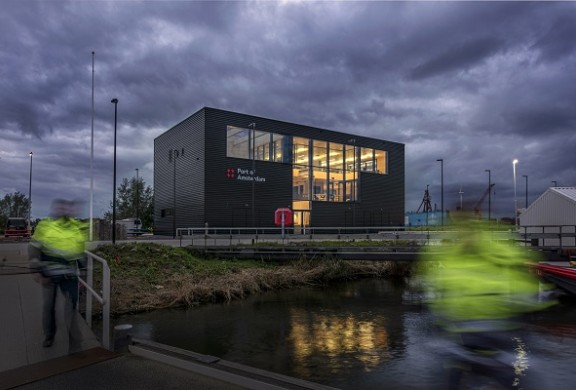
x=227, y=169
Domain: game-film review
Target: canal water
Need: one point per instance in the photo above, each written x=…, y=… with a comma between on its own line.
x=366, y=334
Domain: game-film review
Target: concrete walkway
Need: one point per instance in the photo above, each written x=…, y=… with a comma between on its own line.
x=21, y=314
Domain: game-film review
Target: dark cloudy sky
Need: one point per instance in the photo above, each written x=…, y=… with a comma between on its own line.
x=476, y=84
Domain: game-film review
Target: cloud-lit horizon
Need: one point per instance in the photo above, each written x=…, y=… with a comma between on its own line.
x=474, y=83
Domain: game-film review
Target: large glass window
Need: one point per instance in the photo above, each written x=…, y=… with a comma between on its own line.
x=320, y=184
x=262, y=143
x=301, y=151
x=381, y=159
x=301, y=182
x=238, y=142
x=320, y=153
x=281, y=148
x=367, y=159
x=336, y=172
x=350, y=173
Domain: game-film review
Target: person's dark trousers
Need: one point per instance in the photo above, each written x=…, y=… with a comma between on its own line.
x=69, y=288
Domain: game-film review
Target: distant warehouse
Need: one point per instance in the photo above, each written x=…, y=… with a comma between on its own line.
x=227, y=169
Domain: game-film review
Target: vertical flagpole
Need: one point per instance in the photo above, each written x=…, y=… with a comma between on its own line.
x=92, y=160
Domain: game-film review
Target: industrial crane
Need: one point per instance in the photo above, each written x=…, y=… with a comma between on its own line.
x=425, y=202
x=479, y=203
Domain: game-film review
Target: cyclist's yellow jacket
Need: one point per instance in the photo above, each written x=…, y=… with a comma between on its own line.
x=477, y=283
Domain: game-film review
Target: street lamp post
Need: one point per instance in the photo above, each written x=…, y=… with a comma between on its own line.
x=489, y=195
x=30, y=196
x=115, y=102
x=137, y=197
x=441, y=188
x=526, y=200
x=515, y=200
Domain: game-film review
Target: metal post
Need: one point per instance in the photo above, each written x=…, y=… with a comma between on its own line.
x=174, y=157
x=441, y=188
x=115, y=102
x=489, y=196
x=30, y=197
x=526, y=200
x=515, y=199
x=91, y=227
x=137, y=197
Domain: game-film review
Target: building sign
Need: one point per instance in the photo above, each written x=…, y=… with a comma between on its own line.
x=244, y=175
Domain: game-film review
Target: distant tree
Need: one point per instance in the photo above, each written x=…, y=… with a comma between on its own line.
x=134, y=199
x=13, y=205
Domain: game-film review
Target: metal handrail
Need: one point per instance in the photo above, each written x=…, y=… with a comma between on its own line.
x=103, y=298
x=227, y=235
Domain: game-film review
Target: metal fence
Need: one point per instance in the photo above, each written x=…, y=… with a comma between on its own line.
x=229, y=236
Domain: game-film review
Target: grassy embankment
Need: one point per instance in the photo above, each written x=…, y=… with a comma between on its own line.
x=148, y=276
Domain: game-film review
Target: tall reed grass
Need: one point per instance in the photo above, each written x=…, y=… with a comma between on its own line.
x=152, y=276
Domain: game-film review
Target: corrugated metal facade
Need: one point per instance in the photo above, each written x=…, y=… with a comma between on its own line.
x=553, y=212
x=179, y=176
x=206, y=192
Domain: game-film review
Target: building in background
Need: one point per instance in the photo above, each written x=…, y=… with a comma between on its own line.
x=225, y=169
x=551, y=219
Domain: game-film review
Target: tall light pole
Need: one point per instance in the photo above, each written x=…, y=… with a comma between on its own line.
x=30, y=196
x=526, y=177
x=514, y=162
x=137, y=198
x=253, y=127
x=489, y=195
x=442, y=188
x=91, y=227
x=115, y=102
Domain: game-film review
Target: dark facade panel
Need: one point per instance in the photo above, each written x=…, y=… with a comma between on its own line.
x=179, y=169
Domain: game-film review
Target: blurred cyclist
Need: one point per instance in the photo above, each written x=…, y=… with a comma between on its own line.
x=480, y=290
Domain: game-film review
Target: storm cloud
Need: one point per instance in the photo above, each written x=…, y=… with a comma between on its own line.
x=474, y=83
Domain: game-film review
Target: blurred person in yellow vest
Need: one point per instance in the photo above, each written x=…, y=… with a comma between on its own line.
x=479, y=292
x=54, y=251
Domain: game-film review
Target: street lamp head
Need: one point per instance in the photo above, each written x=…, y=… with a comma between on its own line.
x=115, y=101
x=440, y=159
x=31, y=154
x=515, y=161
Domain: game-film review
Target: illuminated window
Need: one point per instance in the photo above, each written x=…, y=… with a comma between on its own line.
x=300, y=151
x=381, y=159
x=367, y=159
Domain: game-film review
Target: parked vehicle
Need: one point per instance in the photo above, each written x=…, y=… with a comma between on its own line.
x=16, y=227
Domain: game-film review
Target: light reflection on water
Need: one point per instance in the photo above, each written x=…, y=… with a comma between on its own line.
x=367, y=334
x=335, y=337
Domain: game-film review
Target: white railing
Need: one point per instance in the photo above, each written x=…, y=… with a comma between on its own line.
x=103, y=297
